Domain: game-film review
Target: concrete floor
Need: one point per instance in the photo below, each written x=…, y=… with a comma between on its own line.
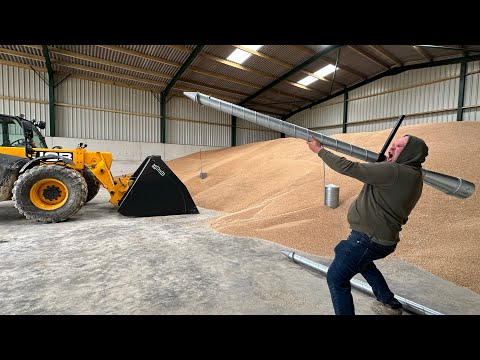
x=100, y=262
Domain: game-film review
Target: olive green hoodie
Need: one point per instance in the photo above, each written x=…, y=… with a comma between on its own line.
x=390, y=193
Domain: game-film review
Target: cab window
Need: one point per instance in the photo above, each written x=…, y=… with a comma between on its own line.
x=11, y=133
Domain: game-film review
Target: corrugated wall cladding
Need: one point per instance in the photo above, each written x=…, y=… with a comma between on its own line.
x=408, y=78
x=192, y=124
x=248, y=132
x=22, y=91
x=473, y=66
x=93, y=110
x=197, y=133
x=327, y=113
x=377, y=126
x=471, y=101
x=429, y=98
x=328, y=132
x=248, y=136
x=331, y=131
x=424, y=96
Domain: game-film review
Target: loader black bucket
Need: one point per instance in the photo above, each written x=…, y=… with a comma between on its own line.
x=156, y=191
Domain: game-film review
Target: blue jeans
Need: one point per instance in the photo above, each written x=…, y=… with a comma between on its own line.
x=352, y=256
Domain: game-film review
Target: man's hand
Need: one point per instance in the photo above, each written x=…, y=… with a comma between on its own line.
x=314, y=145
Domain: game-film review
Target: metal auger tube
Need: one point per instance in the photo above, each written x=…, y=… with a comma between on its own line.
x=362, y=285
x=283, y=126
x=450, y=185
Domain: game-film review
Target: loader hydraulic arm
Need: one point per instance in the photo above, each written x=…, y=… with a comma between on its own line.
x=99, y=163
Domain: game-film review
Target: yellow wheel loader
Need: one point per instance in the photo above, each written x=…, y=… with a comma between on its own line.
x=51, y=185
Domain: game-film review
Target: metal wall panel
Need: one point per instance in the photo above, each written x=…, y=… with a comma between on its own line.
x=472, y=92
x=193, y=124
x=248, y=136
x=413, y=92
x=197, y=133
x=471, y=114
x=328, y=132
x=248, y=132
x=22, y=91
x=473, y=66
x=377, y=126
x=93, y=110
x=423, y=95
x=327, y=113
x=331, y=131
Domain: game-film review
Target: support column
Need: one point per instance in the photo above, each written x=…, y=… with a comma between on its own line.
x=163, y=117
x=345, y=113
x=234, y=131
x=51, y=90
x=461, y=90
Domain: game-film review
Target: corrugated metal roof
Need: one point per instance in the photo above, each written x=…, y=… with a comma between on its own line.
x=285, y=87
x=316, y=48
x=230, y=71
x=406, y=53
x=193, y=76
x=275, y=102
x=254, y=62
x=162, y=51
x=358, y=62
x=286, y=53
x=145, y=63
x=221, y=51
x=266, y=66
x=21, y=60
x=134, y=67
x=209, y=90
x=119, y=79
x=24, y=49
x=113, y=56
x=117, y=70
x=274, y=97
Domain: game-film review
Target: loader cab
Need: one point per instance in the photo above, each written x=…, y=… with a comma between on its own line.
x=14, y=130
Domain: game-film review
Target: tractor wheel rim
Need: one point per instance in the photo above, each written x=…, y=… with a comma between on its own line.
x=49, y=194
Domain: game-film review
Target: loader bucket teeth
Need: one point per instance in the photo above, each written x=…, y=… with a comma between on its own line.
x=156, y=191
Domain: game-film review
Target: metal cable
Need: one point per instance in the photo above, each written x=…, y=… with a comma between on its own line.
x=334, y=71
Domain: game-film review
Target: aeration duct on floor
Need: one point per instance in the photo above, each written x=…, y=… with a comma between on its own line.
x=362, y=285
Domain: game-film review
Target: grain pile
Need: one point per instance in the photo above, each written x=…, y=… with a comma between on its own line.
x=274, y=190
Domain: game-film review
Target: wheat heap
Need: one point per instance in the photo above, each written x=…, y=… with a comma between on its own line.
x=274, y=190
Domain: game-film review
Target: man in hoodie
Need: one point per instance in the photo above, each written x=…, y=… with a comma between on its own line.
x=390, y=192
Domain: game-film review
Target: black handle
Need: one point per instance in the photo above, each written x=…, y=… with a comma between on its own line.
x=381, y=156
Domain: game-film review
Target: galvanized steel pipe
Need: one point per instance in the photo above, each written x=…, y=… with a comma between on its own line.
x=362, y=285
x=450, y=185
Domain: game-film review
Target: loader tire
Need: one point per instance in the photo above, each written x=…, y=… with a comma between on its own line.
x=49, y=193
x=93, y=184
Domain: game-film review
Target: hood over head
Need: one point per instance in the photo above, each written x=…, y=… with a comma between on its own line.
x=414, y=152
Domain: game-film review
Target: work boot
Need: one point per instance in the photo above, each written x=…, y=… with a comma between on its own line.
x=384, y=309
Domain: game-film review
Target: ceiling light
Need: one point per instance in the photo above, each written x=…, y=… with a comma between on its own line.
x=326, y=70
x=239, y=56
x=253, y=47
x=307, y=80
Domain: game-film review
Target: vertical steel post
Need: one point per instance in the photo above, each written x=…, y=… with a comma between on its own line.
x=234, y=130
x=163, y=117
x=345, y=113
x=51, y=90
x=461, y=90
